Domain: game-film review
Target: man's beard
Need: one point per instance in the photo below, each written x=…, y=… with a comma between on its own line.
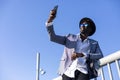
x=85, y=32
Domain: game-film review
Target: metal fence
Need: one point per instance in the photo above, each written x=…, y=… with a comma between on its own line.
x=107, y=62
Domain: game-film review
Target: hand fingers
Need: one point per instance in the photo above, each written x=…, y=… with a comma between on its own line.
x=52, y=16
x=53, y=12
x=73, y=57
x=81, y=54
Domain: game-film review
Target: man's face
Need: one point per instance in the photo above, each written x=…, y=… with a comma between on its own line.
x=85, y=29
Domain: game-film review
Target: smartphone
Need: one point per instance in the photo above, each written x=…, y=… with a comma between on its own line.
x=55, y=9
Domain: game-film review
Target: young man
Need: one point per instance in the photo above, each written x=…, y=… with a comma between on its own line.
x=78, y=49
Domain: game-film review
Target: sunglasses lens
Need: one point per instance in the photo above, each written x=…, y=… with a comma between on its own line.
x=85, y=25
x=81, y=25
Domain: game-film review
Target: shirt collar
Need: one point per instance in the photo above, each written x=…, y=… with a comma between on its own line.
x=84, y=40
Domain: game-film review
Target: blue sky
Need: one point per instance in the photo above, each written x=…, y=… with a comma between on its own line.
x=23, y=33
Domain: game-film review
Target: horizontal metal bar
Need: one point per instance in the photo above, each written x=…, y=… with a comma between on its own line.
x=110, y=58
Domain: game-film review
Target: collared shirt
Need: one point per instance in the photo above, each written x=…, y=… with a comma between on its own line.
x=79, y=63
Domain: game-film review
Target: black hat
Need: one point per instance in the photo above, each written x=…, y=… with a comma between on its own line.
x=91, y=24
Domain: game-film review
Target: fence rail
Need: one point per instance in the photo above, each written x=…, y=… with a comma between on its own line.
x=107, y=61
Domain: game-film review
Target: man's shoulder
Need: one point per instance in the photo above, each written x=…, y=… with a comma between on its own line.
x=93, y=41
x=72, y=36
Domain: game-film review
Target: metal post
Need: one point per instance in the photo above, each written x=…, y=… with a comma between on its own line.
x=37, y=66
x=110, y=72
x=118, y=68
x=102, y=74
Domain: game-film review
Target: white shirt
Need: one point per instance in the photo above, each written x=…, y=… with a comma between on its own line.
x=79, y=63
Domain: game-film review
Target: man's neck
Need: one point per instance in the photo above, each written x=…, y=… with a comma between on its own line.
x=83, y=37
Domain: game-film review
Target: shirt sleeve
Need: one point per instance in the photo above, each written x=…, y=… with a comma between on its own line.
x=48, y=24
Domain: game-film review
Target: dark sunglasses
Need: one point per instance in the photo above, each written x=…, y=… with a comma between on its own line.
x=85, y=25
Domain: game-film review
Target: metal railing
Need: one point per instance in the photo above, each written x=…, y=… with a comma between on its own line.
x=107, y=62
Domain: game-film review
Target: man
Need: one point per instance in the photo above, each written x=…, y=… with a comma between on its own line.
x=79, y=49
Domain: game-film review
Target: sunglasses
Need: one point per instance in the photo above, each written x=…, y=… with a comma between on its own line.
x=85, y=25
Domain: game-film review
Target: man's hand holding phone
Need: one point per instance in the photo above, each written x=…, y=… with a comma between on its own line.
x=53, y=13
